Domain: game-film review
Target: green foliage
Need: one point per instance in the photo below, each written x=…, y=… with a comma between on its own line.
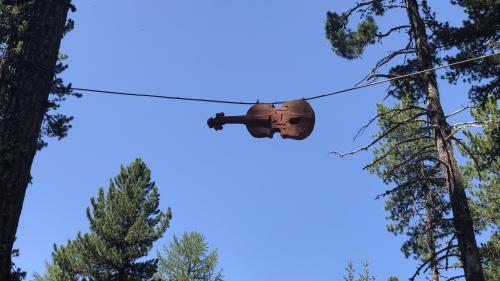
x=491, y=257
x=13, y=25
x=348, y=43
x=350, y=273
x=366, y=275
x=478, y=35
x=392, y=278
x=405, y=157
x=17, y=274
x=124, y=223
x=188, y=259
x=483, y=172
x=54, y=273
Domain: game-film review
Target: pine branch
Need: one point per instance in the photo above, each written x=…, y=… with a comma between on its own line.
x=424, y=264
x=397, y=28
x=395, y=111
x=420, y=152
x=474, y=159
x=395, y=146
x=398, y=124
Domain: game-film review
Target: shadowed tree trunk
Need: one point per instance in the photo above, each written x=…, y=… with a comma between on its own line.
x=25, y=94
x=430, y=221
x=462, y=220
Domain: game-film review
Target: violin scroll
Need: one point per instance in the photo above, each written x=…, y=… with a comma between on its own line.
x=216, y=122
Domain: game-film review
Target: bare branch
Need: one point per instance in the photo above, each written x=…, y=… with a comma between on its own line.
x=464, y=125
x=461, y=110
x=397, y=28
x=349, y=12
x=373, y=73
x=455, y=277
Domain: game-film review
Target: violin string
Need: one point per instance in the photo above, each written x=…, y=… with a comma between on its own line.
x=88, y=90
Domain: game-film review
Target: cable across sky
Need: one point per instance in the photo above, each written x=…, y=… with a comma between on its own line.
x=88, y=90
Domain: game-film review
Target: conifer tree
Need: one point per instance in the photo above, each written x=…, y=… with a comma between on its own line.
x=417, y=206
x=30, y=36
x=125, y=221
x=482, y=170
x=427, y=42
x=350, y=272
x=54, y=273
x=188, y=259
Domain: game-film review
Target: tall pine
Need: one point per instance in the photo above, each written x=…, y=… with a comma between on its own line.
x=416, y=201
x=125, y=221
x=30, y=36
x=427, y=41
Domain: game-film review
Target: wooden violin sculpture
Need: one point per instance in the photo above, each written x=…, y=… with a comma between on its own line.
x=294, y=120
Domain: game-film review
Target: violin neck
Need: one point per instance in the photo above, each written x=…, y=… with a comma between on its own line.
x=243, y=120
x=235, y=119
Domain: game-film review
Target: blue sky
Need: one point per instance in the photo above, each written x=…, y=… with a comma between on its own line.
x=275, y=209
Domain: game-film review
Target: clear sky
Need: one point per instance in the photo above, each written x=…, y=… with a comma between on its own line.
x=275, y=209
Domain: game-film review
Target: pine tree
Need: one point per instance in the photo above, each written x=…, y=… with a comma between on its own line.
x=366, y=275
x=417, y=206
x=30, y=36
x=188, y=259
x=350, y=271
x=483, y=173
x=124, y=223
x=54, y=273
x=427, y=43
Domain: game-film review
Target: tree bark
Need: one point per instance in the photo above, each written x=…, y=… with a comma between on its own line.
x=462, y=219
x=430, y=220
x=25, y=94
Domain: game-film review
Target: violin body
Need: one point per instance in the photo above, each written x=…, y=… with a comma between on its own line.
x=293, y=120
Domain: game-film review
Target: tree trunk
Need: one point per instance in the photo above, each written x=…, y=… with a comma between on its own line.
x=25, y=94
x=430, y=221
x=462, y=220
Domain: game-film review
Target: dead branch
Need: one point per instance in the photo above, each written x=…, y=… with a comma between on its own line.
x=349, y=12
x=455, y=277
x=461, y=110
x=373, y=72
